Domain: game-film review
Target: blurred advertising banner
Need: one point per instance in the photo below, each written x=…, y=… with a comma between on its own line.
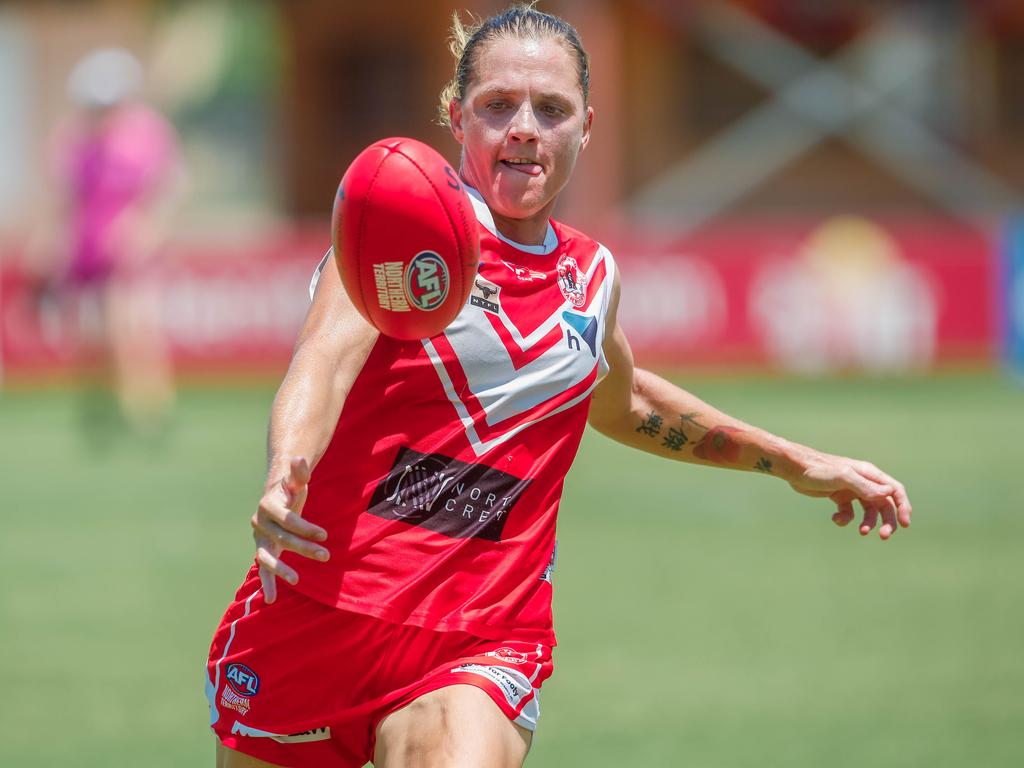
x=844, y=294
x=224, y=307
x=1013, y=279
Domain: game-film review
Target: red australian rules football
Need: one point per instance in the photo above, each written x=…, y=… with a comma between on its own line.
x=405, y=238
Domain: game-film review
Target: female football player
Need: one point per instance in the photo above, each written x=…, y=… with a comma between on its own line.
x=399, y=609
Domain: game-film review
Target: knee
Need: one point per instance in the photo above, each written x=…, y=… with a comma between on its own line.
x=457, y=727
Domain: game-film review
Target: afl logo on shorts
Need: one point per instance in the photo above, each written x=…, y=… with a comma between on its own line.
x=426, y=280
x=242, y=680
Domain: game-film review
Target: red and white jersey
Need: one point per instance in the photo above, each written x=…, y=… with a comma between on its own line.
x=440, y=487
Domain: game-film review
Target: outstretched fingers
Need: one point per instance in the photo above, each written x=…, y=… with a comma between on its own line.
x=844, y=513
x=271, y=568
x=278, y=526
x=870, y=519
x=897, y=500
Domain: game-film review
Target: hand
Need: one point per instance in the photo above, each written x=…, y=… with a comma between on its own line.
x=846, y=480
x=277, y=526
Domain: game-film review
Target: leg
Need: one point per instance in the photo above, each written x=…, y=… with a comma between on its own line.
x=144, y=380
x=455, y=727
x=229, y=758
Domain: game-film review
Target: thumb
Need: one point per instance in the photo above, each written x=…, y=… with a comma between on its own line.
x=298, y=476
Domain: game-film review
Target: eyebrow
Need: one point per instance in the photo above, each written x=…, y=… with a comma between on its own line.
x=498, y=91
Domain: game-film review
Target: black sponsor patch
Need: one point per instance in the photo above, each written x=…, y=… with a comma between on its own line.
x=447, y=496
x=485, y=294
x=477, y=301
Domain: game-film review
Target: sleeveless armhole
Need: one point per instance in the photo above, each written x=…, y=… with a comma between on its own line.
x=319, y=271
x=606, y=299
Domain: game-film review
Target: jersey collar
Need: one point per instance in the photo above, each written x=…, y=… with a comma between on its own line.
x=483, y=215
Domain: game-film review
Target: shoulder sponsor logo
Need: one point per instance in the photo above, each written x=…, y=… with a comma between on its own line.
x=484, y=294
x=242, y=680
x=426, y=280
x=447, y=496
x=585, y=326
x=572, y=281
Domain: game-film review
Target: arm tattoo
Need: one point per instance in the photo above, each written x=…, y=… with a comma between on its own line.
x=675, y=439
x=719, y=445
x=651, y=426
x=764, y=465
x=690, y=418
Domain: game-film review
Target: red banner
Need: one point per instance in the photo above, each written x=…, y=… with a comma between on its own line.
x=223, y=307
x=844, y=294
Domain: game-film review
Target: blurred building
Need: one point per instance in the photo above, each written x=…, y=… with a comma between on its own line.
x=825, y=121
x=745, y=106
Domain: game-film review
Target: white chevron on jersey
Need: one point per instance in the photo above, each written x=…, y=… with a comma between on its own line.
x=525, y=342
x=502, y=396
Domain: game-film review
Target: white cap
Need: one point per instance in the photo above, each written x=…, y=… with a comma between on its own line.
x=105, y=77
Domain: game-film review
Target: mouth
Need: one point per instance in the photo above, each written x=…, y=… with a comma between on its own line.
x=523, y=165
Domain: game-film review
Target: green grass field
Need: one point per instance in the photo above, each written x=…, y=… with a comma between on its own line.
x=705, y=618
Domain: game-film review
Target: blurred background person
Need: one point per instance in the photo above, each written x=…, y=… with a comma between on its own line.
x=116, y=180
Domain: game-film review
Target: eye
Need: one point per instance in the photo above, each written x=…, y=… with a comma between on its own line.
x=552, y=110
x=496, y=106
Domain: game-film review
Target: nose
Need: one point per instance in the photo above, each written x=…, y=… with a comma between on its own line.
x=524, y=124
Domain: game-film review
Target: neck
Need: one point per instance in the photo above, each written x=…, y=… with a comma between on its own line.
x=531, y=231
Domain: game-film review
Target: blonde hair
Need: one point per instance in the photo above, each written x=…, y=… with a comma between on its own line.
x=521, y=21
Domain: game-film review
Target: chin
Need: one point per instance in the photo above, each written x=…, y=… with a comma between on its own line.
x=518, y=204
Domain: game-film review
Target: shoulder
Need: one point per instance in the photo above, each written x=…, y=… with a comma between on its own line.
x=577, y=238
x=586, y=250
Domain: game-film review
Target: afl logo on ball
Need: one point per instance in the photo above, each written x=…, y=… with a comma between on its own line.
x=243, y=680
x=426, y=280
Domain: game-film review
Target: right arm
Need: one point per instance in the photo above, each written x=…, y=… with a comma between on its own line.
x=332, y=347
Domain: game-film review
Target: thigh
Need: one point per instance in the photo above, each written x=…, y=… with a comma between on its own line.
x=454, y=727
x=229, y=758
x=291, y=682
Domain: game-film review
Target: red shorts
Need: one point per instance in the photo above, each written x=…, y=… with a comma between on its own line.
x=300, y=683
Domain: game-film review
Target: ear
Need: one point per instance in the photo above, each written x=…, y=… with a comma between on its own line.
x=455, y=119
x=588, y=121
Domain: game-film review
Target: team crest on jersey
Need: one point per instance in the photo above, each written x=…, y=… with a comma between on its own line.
x=572, y=281
x=484, y=294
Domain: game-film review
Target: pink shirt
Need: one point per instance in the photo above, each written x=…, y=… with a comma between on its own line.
x=105, y=172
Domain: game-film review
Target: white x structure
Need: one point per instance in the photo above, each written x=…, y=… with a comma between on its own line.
x=814, y=99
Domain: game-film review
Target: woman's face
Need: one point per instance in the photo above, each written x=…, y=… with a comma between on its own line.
x=521, y=124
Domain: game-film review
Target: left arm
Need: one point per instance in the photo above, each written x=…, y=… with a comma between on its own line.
x=643, y=410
